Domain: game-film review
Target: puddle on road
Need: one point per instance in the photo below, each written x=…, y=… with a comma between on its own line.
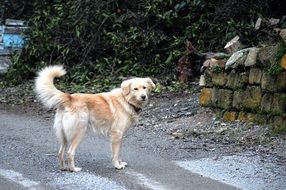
x=244, y=172
x=83, y=181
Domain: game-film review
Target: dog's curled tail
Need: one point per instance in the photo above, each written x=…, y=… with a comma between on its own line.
x=45, y=89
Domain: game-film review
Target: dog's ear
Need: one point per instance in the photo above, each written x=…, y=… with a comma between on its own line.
x=125, y=86
x=150, y=83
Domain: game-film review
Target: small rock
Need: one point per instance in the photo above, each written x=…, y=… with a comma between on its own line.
x=178, y=135
x=283, y=35
x=171, y=121
x=189, y=114
x=5, y=63
x=233, y=45
x=277, y=30
x=207, y=63
x=202, y=80
x=13, y=22
x=184, y=109
x=217, y=122
x=258, y=23
x=211, y=63
x=215, y=157
x=283, y=62
x=236, y=59
x=274, y=21
x=251, y=57
x=221, y=130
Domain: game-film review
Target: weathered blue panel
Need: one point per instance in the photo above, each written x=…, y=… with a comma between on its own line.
x=13, y=41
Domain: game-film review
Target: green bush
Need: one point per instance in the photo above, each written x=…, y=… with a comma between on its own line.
x=125, y=38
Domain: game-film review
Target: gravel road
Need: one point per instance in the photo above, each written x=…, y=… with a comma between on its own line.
x=173, y=129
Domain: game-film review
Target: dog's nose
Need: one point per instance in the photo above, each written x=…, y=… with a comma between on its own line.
x=143, y=97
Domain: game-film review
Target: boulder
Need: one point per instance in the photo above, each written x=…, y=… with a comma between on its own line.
x=236, y=80
x=281, y=82
x=273, y=21
x=252, y=97
x=248, y=99
x=268, y=82
x=230, y=116
x=258, y=23
x=206, y=97
x=250, y=117
x=202, y=80
x=251, y=58
x=213, y=62
x=5, y=63
x=279, y=103
x=223, y=98
x=233, y=45
x=233, y=79
x=283, y=62
x=236, y=59
x=283, y=35
x=219, y=79
x=255, y=75
x=267, y=55
x=266, y=102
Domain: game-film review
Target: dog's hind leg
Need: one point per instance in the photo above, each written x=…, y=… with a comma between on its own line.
x=75, y=125
x=62, y=152
x=71, y=152
x=61, y=138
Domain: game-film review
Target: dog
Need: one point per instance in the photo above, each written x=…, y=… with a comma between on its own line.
x=111, y=113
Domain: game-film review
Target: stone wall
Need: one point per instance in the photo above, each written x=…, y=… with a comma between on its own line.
x=247, y=93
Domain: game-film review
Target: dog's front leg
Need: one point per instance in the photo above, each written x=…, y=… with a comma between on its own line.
x=116, y=141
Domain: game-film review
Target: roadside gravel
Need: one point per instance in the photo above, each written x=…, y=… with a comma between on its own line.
x=176, y=127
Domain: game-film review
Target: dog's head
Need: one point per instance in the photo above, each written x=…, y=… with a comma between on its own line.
x=136, y=91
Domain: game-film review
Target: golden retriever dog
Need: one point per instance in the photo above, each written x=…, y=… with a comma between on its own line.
x=110, y=113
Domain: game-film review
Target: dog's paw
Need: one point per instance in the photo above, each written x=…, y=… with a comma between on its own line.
x=75, y=169
x=64, y=169
x=123, y=163
x=118, y=165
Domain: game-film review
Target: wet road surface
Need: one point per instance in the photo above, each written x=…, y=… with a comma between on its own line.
x=28, y=160
x=28, y=152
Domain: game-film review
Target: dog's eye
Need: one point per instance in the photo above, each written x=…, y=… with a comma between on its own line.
x=135, y=88
x=144, y=87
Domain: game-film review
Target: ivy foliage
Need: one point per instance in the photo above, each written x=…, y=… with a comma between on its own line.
x=112, y=38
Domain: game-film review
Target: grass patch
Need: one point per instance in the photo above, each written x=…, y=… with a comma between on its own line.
x=275, y=69
x=278, y=130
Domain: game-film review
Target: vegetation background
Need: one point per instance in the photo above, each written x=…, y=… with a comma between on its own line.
x=102, y=40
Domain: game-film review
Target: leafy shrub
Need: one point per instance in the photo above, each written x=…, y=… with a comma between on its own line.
x=123, y=38
x=217, y=69
x=275, y=69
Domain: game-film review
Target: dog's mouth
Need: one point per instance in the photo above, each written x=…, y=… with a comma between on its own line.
x=143, y=98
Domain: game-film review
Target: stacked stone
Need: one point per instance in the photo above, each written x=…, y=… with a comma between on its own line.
x=248, y=92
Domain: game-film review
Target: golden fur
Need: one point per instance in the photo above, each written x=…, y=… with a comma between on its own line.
x=109, y=113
